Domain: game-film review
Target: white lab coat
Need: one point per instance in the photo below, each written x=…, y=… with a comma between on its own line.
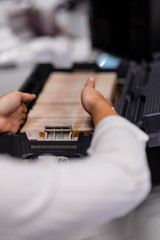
x=51, y=201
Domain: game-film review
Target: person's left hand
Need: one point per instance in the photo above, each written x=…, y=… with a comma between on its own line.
x=95, y=103
x=13, y=110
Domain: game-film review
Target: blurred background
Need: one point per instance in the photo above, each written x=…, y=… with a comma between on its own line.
x=65, y=32
x=35, y=31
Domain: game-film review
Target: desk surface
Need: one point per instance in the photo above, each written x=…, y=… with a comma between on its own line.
x=12, y=78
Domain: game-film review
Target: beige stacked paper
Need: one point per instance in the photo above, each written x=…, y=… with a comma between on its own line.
x=59, y=102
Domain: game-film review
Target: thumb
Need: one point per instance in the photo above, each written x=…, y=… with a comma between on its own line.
x=90, y=82
x=26, y=97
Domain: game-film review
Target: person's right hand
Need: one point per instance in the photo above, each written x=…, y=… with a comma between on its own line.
x=95, y=103
x=13, y=110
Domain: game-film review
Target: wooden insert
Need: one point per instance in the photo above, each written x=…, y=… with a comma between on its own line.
x=59, y=103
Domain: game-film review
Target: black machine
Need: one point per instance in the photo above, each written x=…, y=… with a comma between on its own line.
x=129, y=29
x=18, y=145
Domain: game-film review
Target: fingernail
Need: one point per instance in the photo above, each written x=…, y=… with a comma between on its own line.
x=91, y=79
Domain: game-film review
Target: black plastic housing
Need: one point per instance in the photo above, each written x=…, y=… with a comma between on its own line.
x=139, y=103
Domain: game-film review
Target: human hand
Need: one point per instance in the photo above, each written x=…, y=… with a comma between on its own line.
x=13, y=110
x=95, y=103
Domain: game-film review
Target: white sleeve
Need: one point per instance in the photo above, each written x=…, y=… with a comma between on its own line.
x=40, y=202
